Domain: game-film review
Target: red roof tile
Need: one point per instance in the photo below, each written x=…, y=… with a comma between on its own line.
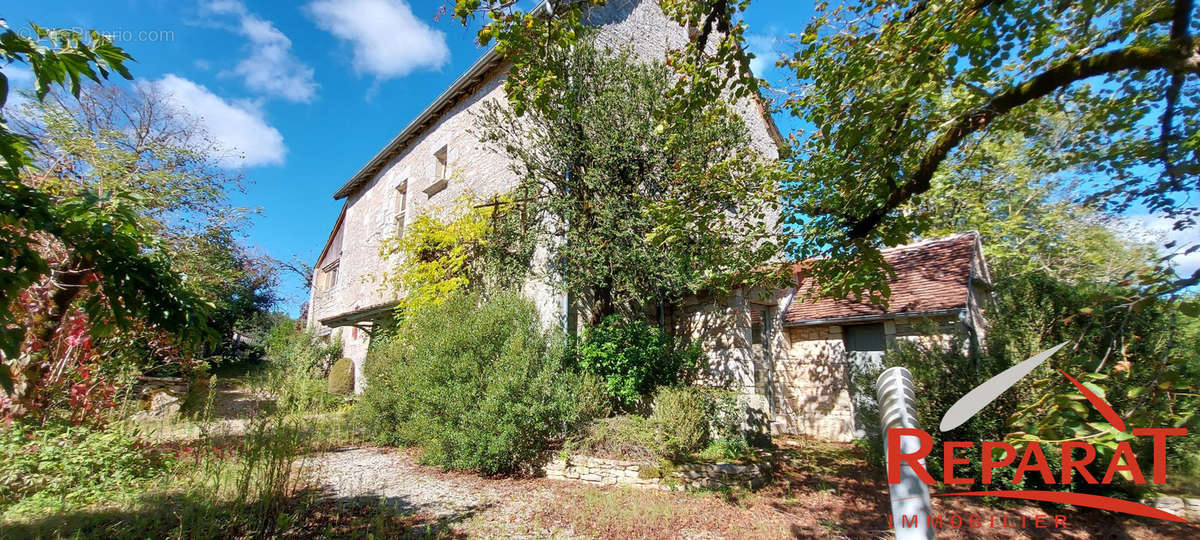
x=930, y=276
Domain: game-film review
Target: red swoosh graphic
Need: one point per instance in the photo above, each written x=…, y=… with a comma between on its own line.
x=1077, y=499
x=1098, y=402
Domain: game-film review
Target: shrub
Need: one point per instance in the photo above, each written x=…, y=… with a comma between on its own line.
x=478, y=385
x=942, y=374
x=680, y=421
x=300, y=350
x=633, y=358
x=727, y=420
x=722, y=449
x=297, y=364
x=626, y=437
x=76, y=465
x=341, y=377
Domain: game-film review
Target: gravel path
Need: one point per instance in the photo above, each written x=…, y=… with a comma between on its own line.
x=464, y=502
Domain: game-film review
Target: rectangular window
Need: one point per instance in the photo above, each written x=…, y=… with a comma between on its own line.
x=401, y=208
x=329, y=276
x=441, y=173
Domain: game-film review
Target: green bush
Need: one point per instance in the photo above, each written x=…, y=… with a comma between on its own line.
x=680, y=421
x=942, y=374
x=626, y=437
x=297, y=363
x=300, y=350
x=723, y=449
x=478, y=385
x=341, y=377
x=633, y=358
x=76, y=465
x=727, y=420
x=686, y=423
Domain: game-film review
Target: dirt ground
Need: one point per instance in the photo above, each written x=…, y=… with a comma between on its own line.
x=821, y=490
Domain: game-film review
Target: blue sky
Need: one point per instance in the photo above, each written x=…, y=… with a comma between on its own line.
x=306, y=92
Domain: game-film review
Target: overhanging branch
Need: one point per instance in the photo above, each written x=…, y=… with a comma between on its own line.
x=1177, y=56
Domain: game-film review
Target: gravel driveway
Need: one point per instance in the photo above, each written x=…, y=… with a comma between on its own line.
x=464, y=502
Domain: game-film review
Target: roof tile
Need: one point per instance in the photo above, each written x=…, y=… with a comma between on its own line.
x=930, y=276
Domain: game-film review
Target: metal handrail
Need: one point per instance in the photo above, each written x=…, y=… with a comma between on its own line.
x=897, y=409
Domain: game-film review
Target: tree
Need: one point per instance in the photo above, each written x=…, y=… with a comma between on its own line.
x=473, y=246
x=135, y=142
x=712, y=64
x=65, y=244
x=894, y=90
x=635, y=211
x=1015, y=191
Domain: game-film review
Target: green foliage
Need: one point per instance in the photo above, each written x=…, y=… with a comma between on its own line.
x=714, y=64
x=478, y=386
x=56, y=57
x=60, y=464
x=341, y=377
x=686, y=423
x=727, y=425
x=680, y=421
x=725, y=449
x=1138, y=359
x=894, y=90
x=942, y=373
x=297, y=365
x=1012, y=191
x=647, y=207
x=633, y=358
x=467, y=247
x=627, y=437
x=1135, y=359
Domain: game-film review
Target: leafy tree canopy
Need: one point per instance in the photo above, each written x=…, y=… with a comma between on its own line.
x=105, y=247
x=636, y=211
x=895, y=90
x=1015, y=191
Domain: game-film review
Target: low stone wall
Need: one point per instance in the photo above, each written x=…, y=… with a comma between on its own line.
x=611, y=472
x=1185, y=507
x=163, y=396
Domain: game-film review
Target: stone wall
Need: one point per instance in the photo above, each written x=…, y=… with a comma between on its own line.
x=812, y=394
x=162, y=397
x=611, y=472
x=1185, y=507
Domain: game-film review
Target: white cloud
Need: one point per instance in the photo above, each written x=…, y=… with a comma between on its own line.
x=388, y=40
x=239, y=128
x=1161, y=231
x=766, y=52
x=270, y=68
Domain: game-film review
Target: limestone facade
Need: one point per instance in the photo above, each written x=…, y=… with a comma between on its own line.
x=371, y=210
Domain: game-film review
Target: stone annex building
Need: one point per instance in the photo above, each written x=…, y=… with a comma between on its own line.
x=789, y=358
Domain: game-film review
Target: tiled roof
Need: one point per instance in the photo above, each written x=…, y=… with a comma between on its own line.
x=930, y=276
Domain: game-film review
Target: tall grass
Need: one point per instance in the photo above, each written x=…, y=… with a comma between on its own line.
x=238, y=478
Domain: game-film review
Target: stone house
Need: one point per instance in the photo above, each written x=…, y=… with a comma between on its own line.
x=437, y=158
x=789, y=358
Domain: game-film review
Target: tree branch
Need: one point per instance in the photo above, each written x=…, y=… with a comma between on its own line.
x=1180, y=20
x=1178, y=55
